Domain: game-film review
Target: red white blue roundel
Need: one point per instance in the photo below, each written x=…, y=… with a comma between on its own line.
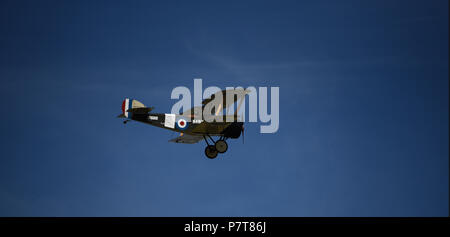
x=182, y=124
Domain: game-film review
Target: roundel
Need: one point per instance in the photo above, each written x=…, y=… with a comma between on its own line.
x=182, y=124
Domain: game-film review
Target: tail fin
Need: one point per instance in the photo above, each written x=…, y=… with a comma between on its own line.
x=133, y=106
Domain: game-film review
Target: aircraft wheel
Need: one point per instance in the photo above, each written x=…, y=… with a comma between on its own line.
x=211, y=152
x=221, y=146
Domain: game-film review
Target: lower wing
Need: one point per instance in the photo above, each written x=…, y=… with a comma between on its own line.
x=188, y=139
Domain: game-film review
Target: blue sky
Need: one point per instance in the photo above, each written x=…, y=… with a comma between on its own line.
x=363, y=108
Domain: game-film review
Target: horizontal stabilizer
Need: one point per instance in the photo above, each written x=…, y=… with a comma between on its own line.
x=140, y=110
x=133, y=106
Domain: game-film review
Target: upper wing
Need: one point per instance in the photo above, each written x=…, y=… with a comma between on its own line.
x=235, y=95
x=189, y=139
x=222, y=102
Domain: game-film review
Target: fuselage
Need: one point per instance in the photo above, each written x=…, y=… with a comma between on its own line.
x=181, y=124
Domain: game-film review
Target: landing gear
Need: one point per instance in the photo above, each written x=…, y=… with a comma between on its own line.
x=211, y=152
x=220, y=146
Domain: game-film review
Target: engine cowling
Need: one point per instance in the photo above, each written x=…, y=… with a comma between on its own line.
x=234, y=130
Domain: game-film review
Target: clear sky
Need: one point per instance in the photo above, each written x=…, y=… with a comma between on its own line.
x=364, y=107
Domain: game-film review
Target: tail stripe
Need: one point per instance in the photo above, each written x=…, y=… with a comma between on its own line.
x=127, y=106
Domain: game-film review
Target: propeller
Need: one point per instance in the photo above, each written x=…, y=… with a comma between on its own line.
x=242, y=133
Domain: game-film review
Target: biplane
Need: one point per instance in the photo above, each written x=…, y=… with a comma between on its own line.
x=204, y=122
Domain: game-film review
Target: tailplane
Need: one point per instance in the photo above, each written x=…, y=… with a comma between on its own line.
x=130, y=106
